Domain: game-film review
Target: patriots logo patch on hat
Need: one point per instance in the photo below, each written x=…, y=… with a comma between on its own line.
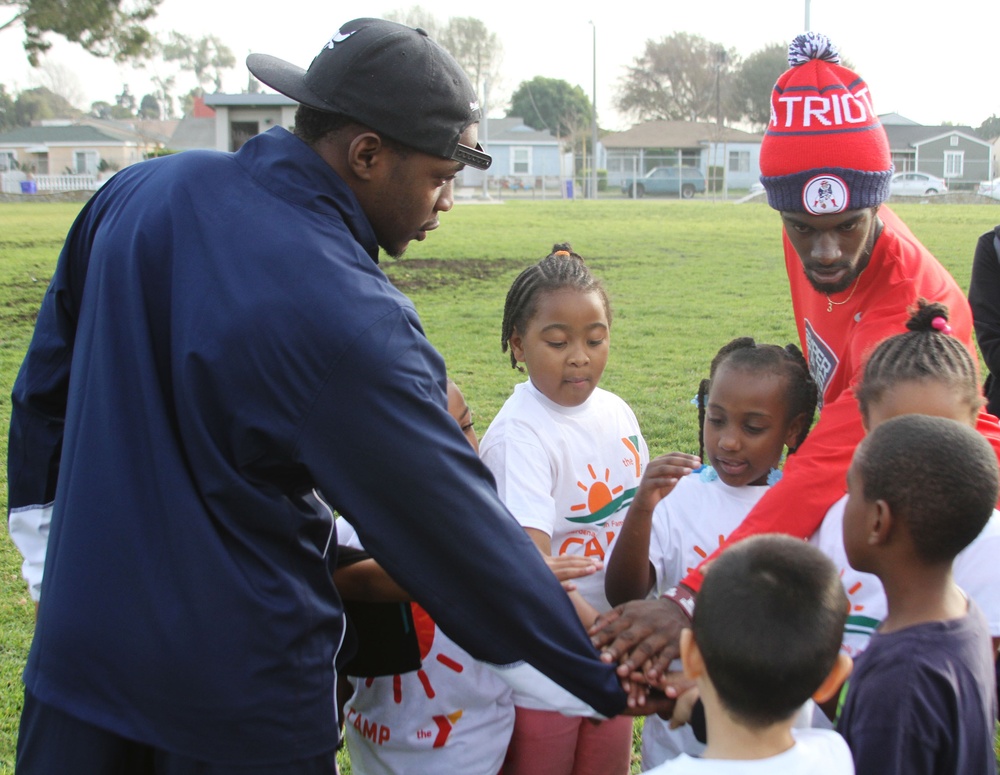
x=824, y=195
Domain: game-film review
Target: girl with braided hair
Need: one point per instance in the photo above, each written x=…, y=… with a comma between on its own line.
x=923, y=371
x=567, y=457
x=758, y=400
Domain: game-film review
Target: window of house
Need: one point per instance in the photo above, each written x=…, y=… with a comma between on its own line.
x=85, y=162
x=520, y=161
x=739, y=161
x=954, y=140
x=954, y=164
x=8, y=161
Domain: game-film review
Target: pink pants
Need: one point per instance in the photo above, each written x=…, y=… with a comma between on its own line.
x=548, y=743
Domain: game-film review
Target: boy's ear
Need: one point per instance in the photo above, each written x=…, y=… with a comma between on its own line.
x=831, y=685
x=880, y=523
x=517, y=345
x=691, y=659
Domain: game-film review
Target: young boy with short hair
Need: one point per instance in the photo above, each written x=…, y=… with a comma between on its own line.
x=765, y=638
x=923, y=698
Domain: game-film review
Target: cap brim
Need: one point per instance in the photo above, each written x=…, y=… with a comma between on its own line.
x=286, y=78
x=473, y=157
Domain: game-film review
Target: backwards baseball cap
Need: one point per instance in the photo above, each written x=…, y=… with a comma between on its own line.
x=389, y=77
x=825, y=150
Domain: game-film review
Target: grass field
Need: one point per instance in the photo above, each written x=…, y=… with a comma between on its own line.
x=684, y=278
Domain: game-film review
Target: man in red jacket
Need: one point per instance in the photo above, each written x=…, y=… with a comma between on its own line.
x=854, y=270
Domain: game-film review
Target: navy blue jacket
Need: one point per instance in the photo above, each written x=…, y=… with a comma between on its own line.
x=216, y=342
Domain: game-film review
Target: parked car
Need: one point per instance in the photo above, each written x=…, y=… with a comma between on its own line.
x=990, y=188
x=917, y=184
x=685, y=181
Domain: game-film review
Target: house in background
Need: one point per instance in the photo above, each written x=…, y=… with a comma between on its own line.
x=954, y=153
x=83, y=147
x=522, y=156
x=671, y=143
x=195, y=130
x=238, y=117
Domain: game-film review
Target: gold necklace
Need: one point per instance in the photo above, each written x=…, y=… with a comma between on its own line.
x=830, y=303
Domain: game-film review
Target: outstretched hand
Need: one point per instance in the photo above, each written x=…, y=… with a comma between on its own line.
x=567, y=567
x=661, y=476
x=642, y=636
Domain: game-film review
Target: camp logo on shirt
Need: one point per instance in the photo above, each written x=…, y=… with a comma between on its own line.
x=602, y=499
x=380, y=734
x=822, y=361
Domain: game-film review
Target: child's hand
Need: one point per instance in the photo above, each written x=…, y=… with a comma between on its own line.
x=682, y=708
x=661, y=476
x=567, y=567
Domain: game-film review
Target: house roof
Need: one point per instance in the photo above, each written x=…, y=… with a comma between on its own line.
x=193, y=132
x=904, y=138
x=81, y=134
x=676, y=134
x=248, y=100
x=894, y=119
x=513, y=131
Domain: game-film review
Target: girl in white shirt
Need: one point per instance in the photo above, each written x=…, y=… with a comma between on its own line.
x=758, y=400
x=568, y=457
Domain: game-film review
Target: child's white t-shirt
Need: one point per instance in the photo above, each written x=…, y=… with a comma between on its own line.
x=570, y=472
x=816, y=752
x=687, y=526
x=976, y=570
x=454, y=714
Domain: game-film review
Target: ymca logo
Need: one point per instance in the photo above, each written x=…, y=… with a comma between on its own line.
x=822, y=362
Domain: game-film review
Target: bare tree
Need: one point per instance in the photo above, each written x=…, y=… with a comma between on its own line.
x=681, y=77
x=206, y=57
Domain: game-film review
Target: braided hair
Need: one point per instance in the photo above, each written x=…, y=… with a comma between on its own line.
x=926, y=352
x=788, y=361
x=562, y=268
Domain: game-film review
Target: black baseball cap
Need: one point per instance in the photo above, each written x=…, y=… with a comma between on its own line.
x=389, y=77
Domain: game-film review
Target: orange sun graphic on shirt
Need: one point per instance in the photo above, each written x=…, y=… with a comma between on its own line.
x=854, y=589
x=426, y=630
x=599, y=494
x=703, y=553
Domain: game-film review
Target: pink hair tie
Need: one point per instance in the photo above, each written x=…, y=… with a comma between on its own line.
x=941, y=324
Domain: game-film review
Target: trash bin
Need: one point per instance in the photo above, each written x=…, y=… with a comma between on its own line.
x=569, y=188
x=29, y=187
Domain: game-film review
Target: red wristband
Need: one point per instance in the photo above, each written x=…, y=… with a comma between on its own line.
x=683, y=597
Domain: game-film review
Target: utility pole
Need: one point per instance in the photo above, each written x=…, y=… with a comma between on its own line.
x=593, y=125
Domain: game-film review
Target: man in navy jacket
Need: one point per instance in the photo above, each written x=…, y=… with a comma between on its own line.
x=218, y=342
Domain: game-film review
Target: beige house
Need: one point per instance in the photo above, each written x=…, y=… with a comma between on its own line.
x=69, y=148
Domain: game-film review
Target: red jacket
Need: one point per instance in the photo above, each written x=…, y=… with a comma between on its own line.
x=836, y=344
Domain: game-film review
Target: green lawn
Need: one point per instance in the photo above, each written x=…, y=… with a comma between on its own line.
x=684, y=278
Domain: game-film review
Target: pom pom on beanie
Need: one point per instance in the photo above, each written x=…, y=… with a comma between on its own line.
x=825, y=150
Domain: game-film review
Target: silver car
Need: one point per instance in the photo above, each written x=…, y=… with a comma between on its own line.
x=990, y=188
x=917, y=184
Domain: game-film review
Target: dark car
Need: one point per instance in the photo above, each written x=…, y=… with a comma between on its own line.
x=667, y=181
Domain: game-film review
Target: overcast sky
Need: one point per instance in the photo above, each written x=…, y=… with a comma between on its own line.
x=933, y=64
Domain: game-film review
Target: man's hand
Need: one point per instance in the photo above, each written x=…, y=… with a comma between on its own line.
x=641, y=635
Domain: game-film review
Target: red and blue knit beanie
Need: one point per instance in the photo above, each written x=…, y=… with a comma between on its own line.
x=825, y=151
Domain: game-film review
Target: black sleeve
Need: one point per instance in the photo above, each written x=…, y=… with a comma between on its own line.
x=984, y=298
